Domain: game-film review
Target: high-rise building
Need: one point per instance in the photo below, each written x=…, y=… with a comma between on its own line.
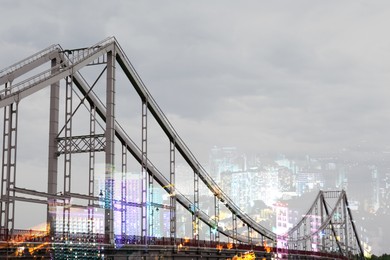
x=225, y=159
x=281, y=223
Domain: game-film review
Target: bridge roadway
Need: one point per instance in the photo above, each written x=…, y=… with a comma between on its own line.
x=28, y=244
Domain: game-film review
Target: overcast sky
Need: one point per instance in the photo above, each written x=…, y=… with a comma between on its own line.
x=294, y=77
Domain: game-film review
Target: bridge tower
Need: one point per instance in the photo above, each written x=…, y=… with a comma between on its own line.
x=328, y=226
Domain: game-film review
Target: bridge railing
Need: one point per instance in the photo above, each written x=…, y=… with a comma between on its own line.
x=29, y=60
x=94, y=243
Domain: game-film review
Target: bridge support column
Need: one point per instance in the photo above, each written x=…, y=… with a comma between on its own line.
x=53, y=156
x=152, y=208
x=124, y=191
x=110, y=151
x=172, y=192
x=346, y=242
x=8, y=169
x=250, y=241
x=216, y=213
x=144, y=172
x=67, y=155
x=234, y=228
x=323, y=247
x=91, y=182
x=195, y=217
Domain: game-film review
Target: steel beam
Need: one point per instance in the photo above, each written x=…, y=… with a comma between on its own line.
x=172, y=191
x=144, y=172
x=28, y=64
x=42, y=80
x=7, y=206
x=345, y=215
x=91, y=170
x=110, y=148
x=234, y=221
x=195, y=216
x=150, y=175
x=52, y=156
x=216, y=218
x=124, y=191
x=67, y=154
x=81, y=144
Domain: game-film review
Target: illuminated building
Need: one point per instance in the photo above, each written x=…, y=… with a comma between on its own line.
x=133, y=184
x=225, y=159
x=78, y=221
x=242, y=190
x=282, y=223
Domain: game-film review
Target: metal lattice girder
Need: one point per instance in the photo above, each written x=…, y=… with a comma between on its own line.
x=110, y=148
x=7, y=205
x=144, y=170
x=82, y=53
x=82, y=143
x=22, y=67
x=68, y=156
x=52, y=180
x=91, y=173
x=172, y=192
x=124, y=189
x=195, y=218
x=62, y=70
x=337, y=229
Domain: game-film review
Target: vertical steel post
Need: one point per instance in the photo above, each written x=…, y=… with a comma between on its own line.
x=314, y=225
x=172, y=192
x=67, y=154
x=151, y=202
x=250, y=241
x=53, y=156
x=305, y=234
x=9, y=168
x=110, y=149
x=144, y=171
x=216, y=214
x=124, y=191
x=338, y=224
x=298, y=235
x=234, y=216
x=195, y=217
x=322, y=202
x=344, y=203
x=91, y=181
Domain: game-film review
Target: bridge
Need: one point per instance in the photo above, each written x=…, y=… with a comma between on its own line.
x=117, y=215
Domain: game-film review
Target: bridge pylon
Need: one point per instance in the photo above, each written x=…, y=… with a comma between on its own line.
x=328, y=226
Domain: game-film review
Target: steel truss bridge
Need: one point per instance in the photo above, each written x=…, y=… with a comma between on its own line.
x=327, y=231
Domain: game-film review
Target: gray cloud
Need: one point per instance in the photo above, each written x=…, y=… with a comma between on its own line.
x=309, y=72
x=295, y=77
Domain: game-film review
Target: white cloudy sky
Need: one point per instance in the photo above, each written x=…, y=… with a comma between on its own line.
x=295, y=77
